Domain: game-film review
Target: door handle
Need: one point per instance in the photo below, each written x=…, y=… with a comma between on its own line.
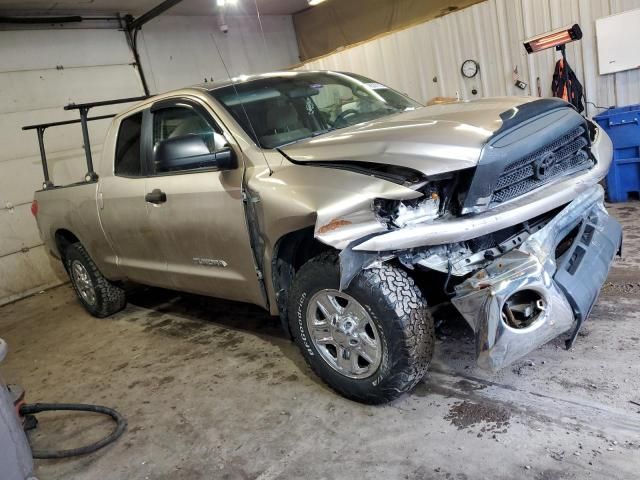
x=156, y=196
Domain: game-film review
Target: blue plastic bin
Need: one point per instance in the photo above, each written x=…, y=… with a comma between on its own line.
x=623, y=126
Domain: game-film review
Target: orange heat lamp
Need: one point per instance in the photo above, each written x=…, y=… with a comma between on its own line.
x=556, y=38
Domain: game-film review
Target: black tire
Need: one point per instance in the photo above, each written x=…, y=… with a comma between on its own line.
x=397, y=308
x=109, y=298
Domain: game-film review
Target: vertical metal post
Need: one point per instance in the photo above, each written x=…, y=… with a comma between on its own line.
x=132, y=41
x=91, y=175
x=43, y=157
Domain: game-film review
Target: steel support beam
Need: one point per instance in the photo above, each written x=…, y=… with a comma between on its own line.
x=151, y=14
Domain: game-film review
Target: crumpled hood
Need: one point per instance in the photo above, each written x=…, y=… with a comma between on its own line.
x=432, y=140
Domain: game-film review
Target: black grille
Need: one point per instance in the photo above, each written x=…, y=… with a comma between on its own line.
x=566, y=155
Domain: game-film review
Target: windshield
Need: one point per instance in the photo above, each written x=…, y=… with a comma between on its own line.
x=280, y=109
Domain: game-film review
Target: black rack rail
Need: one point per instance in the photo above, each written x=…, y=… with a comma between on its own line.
x=83, y=108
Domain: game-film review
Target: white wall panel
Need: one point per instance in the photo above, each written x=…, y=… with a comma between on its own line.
x=18, y=229
x=40, y=72
x=29, y=272
x=41, y=89
x=64, y=47
x=17, y=143
x=189, y=54
x=491, y=33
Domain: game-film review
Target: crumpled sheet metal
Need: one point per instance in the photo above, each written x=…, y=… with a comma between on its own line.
x=480, y=298
x=498, y=345
x=543, y=243
x=352, y=217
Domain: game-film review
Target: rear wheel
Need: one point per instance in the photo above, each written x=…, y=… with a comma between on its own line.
x=99, y=296
x=371, y=342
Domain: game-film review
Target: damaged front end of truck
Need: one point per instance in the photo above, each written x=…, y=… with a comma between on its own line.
x=543, y=288
x=521, y=286
x=523, y=237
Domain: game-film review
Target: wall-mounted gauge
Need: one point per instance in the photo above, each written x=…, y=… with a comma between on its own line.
x=470, y=68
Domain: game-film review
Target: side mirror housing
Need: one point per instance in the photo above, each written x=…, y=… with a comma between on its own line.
x=190, y=152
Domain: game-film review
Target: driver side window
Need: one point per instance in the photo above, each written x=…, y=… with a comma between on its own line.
x=173, y=123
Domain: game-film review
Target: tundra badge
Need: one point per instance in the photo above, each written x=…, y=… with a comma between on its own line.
x=209, y=262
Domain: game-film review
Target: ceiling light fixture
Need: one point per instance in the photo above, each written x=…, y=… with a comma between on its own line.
x=313, y=3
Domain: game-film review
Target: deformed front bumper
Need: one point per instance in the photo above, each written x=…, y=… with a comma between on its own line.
x=558, y=292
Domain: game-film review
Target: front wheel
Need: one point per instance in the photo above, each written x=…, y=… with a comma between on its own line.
x=371, y=342
x=99, y=296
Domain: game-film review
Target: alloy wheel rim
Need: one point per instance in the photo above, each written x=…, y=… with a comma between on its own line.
x=344, y=334
x=83, y=283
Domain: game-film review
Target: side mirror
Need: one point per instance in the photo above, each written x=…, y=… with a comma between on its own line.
x=190, y=152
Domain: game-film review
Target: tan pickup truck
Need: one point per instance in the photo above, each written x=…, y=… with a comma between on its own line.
x=347, y=208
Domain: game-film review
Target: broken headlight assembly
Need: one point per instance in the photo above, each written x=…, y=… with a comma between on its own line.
x=405, y=213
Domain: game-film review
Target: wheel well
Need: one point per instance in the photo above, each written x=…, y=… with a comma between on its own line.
x=291, y=252
x=64, y=238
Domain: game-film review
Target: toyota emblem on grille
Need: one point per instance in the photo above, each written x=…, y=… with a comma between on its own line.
x=544, y=165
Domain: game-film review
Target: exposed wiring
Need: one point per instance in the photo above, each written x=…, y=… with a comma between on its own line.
x=587, y=102
x=121, y=425
x=264, y=38
x=446, y=282
x=597, y=106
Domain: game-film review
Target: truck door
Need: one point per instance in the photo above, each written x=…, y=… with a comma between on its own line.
x=196, y=213
x=123, y=211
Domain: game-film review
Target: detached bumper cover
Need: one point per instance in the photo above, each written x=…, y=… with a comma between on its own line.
x=567, y=287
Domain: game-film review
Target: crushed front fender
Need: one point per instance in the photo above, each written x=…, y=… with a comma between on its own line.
x=527, y=297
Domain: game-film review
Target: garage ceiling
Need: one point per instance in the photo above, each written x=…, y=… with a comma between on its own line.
x=137, y=7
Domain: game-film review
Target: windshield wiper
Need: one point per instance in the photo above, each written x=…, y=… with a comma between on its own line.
x=322, y=132
x=313, y=134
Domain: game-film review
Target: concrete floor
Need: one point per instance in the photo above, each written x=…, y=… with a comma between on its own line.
x=212, y=390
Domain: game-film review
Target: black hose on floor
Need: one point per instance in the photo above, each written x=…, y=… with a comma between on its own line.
x=121, y=425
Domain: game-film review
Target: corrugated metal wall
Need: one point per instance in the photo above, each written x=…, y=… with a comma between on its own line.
x=43, y=70
x=424, y=61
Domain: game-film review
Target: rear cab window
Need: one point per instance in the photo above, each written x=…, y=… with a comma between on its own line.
x=128, y=161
